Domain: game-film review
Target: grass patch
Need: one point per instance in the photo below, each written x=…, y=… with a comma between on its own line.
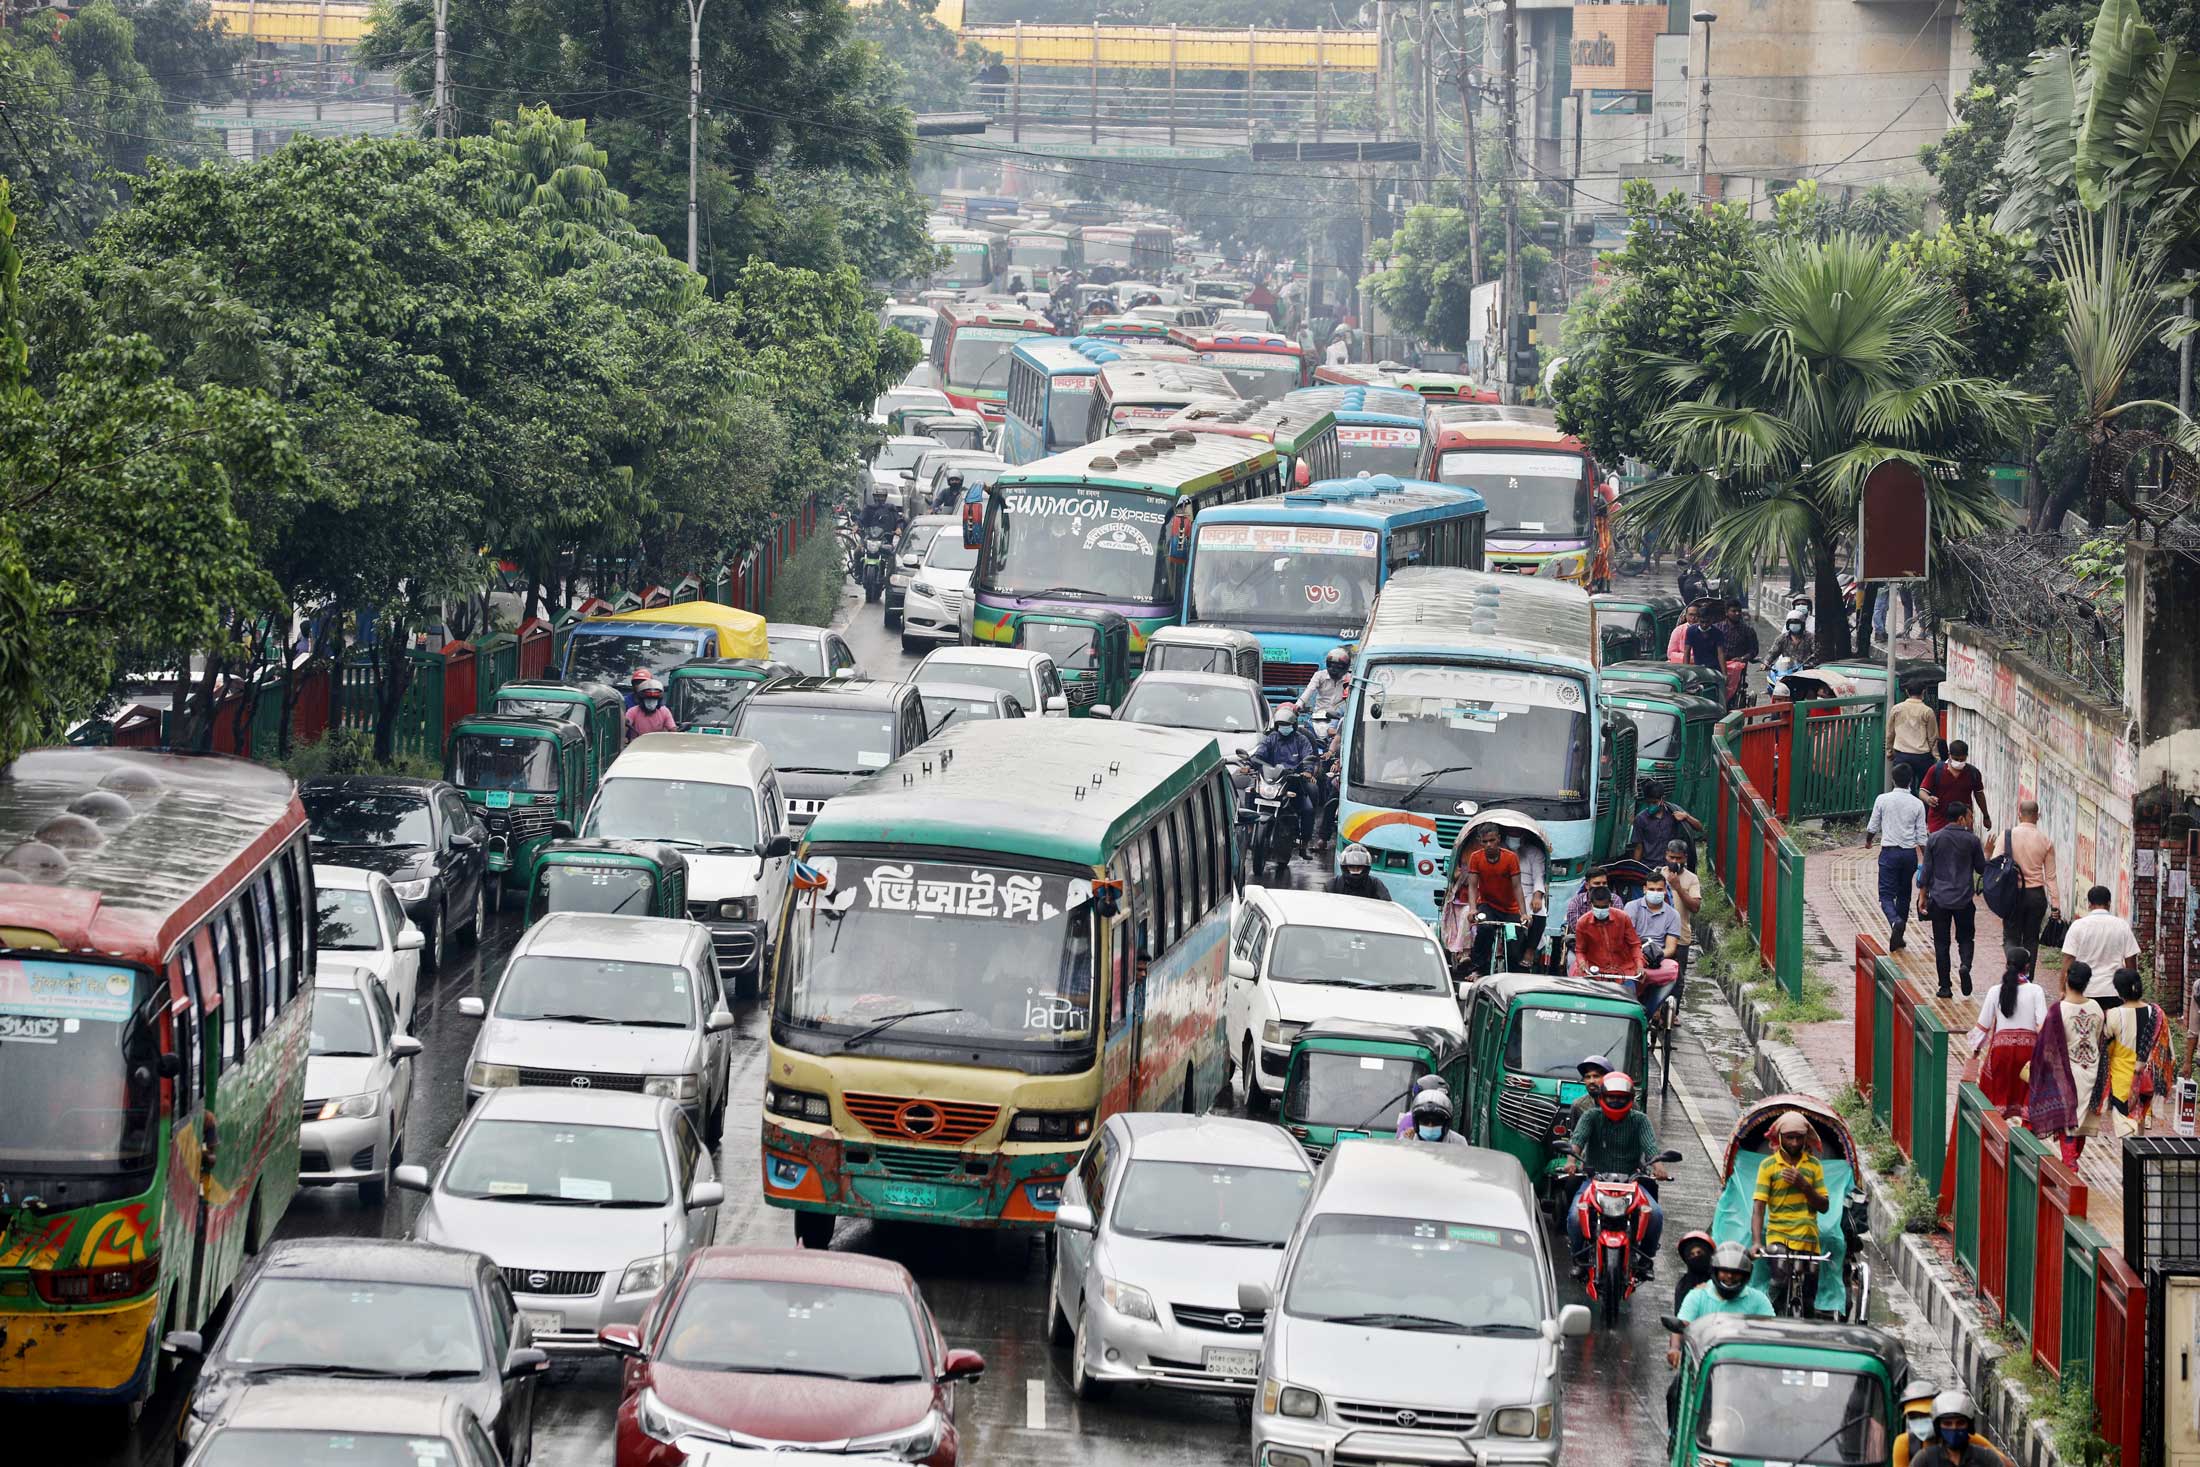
x=347, y=751
x=807, y=589
x=1918, y=1204
x=1815, y=1006
x=1873, y=1139
x=2062, y=1409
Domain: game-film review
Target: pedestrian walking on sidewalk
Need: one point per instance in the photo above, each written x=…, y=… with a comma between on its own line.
x=2069, y=1082
x=2007, y=1032
x=1912, y=729
x=1947, y=886
x=2103, y=942
x=1954, y=781
x=2033, y=852
x=2138, y=1052
x=1898, y=824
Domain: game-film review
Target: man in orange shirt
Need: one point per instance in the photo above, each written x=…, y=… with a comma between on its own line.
x=1604, y=939
x=2033, y=851
x=1493, y=894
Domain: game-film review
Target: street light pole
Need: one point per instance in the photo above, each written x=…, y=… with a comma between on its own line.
x=442, y=73
x=1704, y=18
x=695, y=105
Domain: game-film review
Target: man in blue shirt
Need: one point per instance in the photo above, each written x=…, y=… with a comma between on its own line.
x=1287, y=745
x=1707, y=640
x=1659, y=927
x=1898, y=824
x=1947, y=886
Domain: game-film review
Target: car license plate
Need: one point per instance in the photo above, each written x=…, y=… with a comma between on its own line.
x=1230, y=1362
x=909, y=1194
x=543, y=1322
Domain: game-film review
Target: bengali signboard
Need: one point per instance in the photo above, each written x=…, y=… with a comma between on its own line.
x=1615, y=46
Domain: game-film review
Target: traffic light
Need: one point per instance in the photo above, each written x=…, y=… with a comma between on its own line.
x=1522, y=361
x=1545, y=233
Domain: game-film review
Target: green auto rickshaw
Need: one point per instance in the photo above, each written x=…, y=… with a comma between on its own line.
x=529, y=780
x=1678, y=677
x=1650, y=618
x=634, y=878
x=1527, y=1034
x=1673, y=746
x=1091, y=650
x=597, y=710
x=1616, y=774
x=1754, y=1390
x=1350, y=1078
x=706, y=695
x=1618, y=644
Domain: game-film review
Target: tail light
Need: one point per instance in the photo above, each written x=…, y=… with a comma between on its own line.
x=102, y=1285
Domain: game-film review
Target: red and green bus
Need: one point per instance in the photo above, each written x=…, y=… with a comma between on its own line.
x=156, y=992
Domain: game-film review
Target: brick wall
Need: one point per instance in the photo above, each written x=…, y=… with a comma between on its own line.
x=2166, y=859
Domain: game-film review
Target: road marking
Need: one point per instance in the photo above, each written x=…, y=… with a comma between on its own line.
x=1035, y=1404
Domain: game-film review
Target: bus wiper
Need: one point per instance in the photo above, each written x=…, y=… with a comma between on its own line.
x=1430, y=778
x=1079, y=592
x=889, y=1022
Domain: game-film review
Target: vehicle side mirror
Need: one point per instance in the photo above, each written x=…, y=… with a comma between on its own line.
x=409, y=1178
x=1258, y=1298
x=1674, y=1323
x=719, y=1022
x=1100, y=710
x=1074, y=1217
x=404, y=1046
x=962, y=1365
x=1242, y=967
x=463, y=840
x=472, y=1008
x=171, y=1065
x=1666, y=1156
x=1573, y=1321
x=562, y=829
x=1058, y=703
x=845, y=672
x=621, y=1339
x=525, y=1360
x=706, y=1194
x=183, y=1342
x=777, y=847
x=1466, y=989
x=411, y=939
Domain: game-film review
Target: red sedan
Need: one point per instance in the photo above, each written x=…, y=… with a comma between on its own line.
x=784, y=1347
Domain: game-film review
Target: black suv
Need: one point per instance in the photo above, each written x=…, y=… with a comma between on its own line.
x=824, y=734
x=417, y=832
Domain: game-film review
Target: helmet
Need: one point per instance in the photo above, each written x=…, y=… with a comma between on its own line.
x=1600, y=1063
x=1695, y=1245
x=1729, y=1258
x=1617, y=1094
x=878, y=493
x=954, y=481
x=1918, y=1393
x=1287, y=716
x=1431, y=1082
x=1795, y=620
x=1954, y=1402
x=1356, y=858
x=651, y=688
x=1431, y=1107
x=1338, y=659
x=639, y=676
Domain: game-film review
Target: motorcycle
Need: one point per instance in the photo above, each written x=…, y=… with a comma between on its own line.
x=1612, y=1212
x=873, y=574
x=1267, y=821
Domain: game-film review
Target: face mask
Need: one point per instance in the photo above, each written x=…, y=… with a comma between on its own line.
x=1957, y=765
x=1431, y=1133
x=1921, y=1428
x=1955, y=1438
x=651, y=704
x=1653, y=898
x=1602, y=914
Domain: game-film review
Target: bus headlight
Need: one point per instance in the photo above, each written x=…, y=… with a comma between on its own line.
x=1050, y=1125
x=797, y=1105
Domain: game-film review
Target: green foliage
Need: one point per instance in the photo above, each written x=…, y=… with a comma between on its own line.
x=808, y=587
x=1967, y=158
x=193, y=58
x=2100, y=562
x=350, y=751
x=930, y=67
x=1236, y=14
x=2006, y=311
x=1917, y=1202
x=832, y=217
x=1423, y=279
x=1880, y=212
x=2063, y=1408
x=1815, y=1006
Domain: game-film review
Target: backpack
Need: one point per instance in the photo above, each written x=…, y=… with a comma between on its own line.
x=2002, y=884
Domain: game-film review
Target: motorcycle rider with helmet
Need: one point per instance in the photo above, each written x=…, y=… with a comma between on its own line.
x=1358, y=877
x=949, y=499
x=1432, y=1117
x=1917, y=1419
x=1954, y=1442
x=878, y=516
x=1731, y=1292
x=1616, y=1138
x=1795, y=644
x=1405, y=1117
x=1327, y=689
x=1286, y=746
x=649, y=713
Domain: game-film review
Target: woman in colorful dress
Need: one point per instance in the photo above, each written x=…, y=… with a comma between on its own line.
x=2069, y=1082
x=2008, y=1030
x=2138, y=1052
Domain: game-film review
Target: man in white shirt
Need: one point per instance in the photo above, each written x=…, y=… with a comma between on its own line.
x=1898, y=824
x=2103, y=941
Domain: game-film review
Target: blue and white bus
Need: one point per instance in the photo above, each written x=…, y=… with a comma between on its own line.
x=1300, y=570
x=1473, y=691
x=1050, y=382
x=1380, y=430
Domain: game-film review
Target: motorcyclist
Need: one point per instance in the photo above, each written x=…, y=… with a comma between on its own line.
x=1616, y=1138
x=1326, y=732
x=1286, y=746
x=1917, y=1419
x=1432, y=1118
x=1357, y=878
x=649, y=713
x=1593, y=1070
x=879, y=517
x=632, y=692
x=1326, y=689
x=1405, y=1117
x=1796, y=644
x=1695, y=1250
x=949, y=499
x=1953, y=1443
x=1731, y=1292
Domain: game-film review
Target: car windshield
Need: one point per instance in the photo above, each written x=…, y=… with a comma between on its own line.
x=896, y=454
x=1553, y=1042
x=346, y=921
x=1168, y=656
x=247, y=1447
x=1255, y=377
x=341, y=1028
x=1341, y=955
x=1208, y=1201
x=1003, y=677
x=978, y=355
x=611, y=658
x=1528, y=494
x=689, y=812
x=597, y=990
x=1379, y=448
x=710, y=702
x=1657, y=735
x=1069, y=410
x=786, y=1328
x=948, y=553
x=351, y=818
x=1100, y=543
x=367, y=1325
x=942, y=709
x=504, y=762
x=611, y=889
x=558, y=1161
x=1442, y=733
x=805, y=655
x=989, y=956
x=1258, y=576
x=77, y=1059
x=1773, y=1412
x=1360, y=1092
x=821, y=740
x=1204, y=706
x=915, y=539
x=1416, y=1273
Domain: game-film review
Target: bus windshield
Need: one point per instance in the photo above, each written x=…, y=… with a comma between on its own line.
x=77, y=1069
x=967, y=265
x=1069, y=410
x=1379, y=448
x=1256, y=376
x=978, y=355
x=989, y=957
x=1038, y=249
x=1275, y=576
x=1444, y=732
x=1527, y=493
x=504, y=762
x=1052, y=539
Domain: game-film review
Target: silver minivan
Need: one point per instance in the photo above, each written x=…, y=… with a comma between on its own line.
x=1415, y=1318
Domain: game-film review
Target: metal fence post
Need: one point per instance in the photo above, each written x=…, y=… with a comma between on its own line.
x=2026, y=1152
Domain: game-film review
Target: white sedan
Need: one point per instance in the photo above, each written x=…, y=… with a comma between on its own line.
x=360, y=925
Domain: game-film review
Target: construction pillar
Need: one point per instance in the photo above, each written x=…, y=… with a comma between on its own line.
x=1016, y=82
x=1095, y=116
x=1509, y=182
x=1172, y=83
x=1252, y=60
x=1321, y=82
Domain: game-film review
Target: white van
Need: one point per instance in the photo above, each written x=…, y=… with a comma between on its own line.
x=717, y=800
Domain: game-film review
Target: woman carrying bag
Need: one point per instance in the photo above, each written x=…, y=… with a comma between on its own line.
x=2008, y=1031
x=2069, y=1081
x=2138, y=1053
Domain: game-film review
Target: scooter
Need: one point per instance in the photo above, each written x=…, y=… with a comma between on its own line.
x=1267, y=823
x=1612, y=1212
x=874, y=566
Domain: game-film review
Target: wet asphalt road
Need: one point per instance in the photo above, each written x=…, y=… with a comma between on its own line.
x=989, y=1292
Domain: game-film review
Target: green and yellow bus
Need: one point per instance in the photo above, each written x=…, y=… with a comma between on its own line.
x=156, y=983
x=996, y=942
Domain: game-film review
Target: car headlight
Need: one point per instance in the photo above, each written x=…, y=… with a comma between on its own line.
x=1278, y=1399
x=911, y=1443
x=1522, y=1421
x=351, y=1107
x=1128, y=1300
x=1050, y=1125
x=490, y=1077
x=660, y=1422
x=1279, y=1031
x=411, y=891
x=737, y=909
x=797, y=1105
x=920, y=588
x=671, y=1087
x=647, y=1275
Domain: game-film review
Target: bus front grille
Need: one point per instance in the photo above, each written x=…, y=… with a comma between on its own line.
x=941, y=1121
x=920, y=1166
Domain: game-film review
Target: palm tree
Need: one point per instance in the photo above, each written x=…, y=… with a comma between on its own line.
x=1848, y=360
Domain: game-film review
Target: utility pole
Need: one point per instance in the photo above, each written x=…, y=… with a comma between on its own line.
x=1474, y=175
x=1509, y=183
x=442, y=69
x=1704, y=18
x=695, y=111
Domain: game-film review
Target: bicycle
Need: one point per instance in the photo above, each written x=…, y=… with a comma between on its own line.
x=1794, y=1284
